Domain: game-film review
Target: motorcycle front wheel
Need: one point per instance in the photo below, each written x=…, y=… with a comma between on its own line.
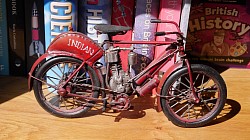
x=178, y=104
x=55, y=72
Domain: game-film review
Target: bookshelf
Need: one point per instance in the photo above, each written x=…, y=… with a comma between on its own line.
x=25, y=34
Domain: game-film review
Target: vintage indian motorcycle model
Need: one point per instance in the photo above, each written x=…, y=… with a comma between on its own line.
x=68, y=80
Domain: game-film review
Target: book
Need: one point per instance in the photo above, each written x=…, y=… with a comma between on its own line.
x=144, y=31
x=219, y=32
x=4, y=54
x=123, y=15
x=169, y=10
x=92, y=12
x=34, y=30
x=16, y=37
x=59, y=16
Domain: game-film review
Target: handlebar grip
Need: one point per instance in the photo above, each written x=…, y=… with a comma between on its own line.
x=160, y=33
x=155, y=21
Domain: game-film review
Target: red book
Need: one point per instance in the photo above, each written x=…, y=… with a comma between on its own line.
x=122, y=14
x=219, y=32
x=169, y=10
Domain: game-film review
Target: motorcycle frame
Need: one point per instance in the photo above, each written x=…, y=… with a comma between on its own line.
x=149, y=72
x=165, y=57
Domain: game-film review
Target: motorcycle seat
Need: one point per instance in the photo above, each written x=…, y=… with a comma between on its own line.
x=111, y=30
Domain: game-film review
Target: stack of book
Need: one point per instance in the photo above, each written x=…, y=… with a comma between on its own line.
x=28, y=27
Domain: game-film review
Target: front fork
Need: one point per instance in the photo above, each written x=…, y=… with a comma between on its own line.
x=194, y=96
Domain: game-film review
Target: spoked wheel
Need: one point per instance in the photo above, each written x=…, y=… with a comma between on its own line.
x=178, y=104
x=55, y=72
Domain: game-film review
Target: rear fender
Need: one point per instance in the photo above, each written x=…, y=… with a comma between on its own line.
x=47, y=56
x=33, y=69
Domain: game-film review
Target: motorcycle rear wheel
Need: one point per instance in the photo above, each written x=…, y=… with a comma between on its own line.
x=56, y=71
x=179, y=108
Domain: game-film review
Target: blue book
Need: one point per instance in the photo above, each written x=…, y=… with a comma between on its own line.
x=4, y=57
x=144, y=31
x=92, y=12
x=59, y=17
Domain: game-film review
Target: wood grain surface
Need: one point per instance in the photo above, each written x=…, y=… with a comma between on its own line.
x=22, y=118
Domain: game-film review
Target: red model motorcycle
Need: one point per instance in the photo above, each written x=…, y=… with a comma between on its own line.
x=68, y=80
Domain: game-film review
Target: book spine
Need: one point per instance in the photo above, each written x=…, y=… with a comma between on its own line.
x=144, y=30
x=123, y=15
x=4, y=54
x=16, y=35
x=92, y=12
x=34, y=23
x=59, y=17
x=169, y=10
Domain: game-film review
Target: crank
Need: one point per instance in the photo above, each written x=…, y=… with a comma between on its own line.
x=122, y=102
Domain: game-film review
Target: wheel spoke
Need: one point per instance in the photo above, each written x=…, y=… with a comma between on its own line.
x=55, y=73
x=172, y=106
x=86, y=79
x=188, y=110
x=176, y=112
x=49, y=78
x=210, y=99
x=208, y=89
x=60, y=69
x=206, y=83
x=185, y=85
x=177, y=90
x=49, y=93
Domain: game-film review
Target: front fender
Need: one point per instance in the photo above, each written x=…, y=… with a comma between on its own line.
x=170, y=70
x=165, y=76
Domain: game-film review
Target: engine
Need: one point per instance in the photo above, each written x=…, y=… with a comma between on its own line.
x=118, y=80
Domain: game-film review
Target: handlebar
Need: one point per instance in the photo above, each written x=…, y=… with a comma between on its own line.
x=155, y=21
x=178, y=33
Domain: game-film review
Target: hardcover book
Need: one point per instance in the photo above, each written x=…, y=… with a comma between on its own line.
x=219, y=32
x=169, y=10
x=123, y=15
x=34, y=23
x=59, y=16
x=4, y=54
x=92, y=12
x=144, y=30
x=16, y=37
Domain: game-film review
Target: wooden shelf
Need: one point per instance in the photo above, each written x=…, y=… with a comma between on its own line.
x=22, y=118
